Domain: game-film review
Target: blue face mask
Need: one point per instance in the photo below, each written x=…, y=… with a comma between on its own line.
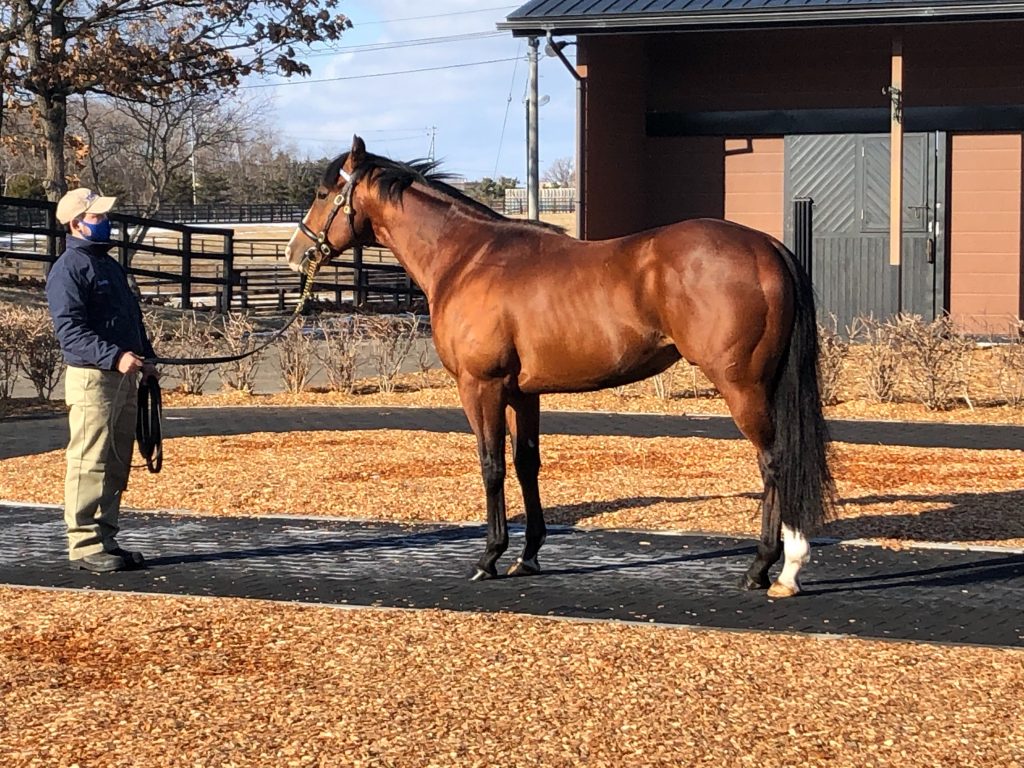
x=98, y=232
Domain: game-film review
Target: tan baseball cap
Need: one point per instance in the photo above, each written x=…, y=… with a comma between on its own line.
x=81, y=201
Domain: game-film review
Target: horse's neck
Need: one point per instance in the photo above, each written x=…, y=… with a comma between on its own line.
x=416, y=231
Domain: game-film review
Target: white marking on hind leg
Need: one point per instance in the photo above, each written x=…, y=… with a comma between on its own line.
x=797, y=552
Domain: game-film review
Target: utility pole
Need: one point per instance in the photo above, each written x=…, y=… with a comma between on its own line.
x=532, y=140
x=430, y=152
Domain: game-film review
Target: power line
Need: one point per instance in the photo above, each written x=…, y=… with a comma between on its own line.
x=504, y=122
x=368, y=47
x=437, y=15
x=379, y=74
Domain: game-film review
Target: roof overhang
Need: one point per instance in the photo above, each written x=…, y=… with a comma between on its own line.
x=533, y=19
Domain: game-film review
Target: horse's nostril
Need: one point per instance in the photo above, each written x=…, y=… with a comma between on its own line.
x=301, y=265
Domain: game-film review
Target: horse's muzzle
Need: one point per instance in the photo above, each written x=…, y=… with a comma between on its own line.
x=303, y=262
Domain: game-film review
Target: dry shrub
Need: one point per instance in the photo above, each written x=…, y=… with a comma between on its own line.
x=880, y=374
x=39, y=355
x=9, y=351
x=662, y=383
x=391, y=338
x=239, y=339
x=158, y=329
x=937, y=357
x=1010, y=357
x=832, y=351
x=700, y=385
x=195, y=335
x=339, y=353
x=295, y=349
x=425, y=359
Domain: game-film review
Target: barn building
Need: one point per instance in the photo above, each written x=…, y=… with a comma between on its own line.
x=783, y=115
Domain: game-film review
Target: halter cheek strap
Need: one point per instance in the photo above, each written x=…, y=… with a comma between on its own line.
x=343, y=203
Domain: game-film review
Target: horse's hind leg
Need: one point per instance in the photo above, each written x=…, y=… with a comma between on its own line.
x=484, y=405
x=751, y=412
x=524, y=424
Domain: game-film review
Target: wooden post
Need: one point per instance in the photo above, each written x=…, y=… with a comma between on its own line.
x=229, y=271
x=186, y=269
x=896, y=153
x=55, y=239
x=357, y=266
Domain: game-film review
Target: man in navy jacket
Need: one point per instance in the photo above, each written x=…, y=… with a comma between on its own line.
x=99, y=325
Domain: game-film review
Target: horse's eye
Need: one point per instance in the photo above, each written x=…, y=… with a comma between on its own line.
x=321, y=193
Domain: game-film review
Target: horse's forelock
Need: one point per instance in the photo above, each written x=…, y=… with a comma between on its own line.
x=334, y=169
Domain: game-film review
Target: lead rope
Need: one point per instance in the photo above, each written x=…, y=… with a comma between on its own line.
x=148, y=425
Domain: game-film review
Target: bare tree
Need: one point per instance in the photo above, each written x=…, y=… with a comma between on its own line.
x=137, y=50
x=561, y=173
x=143, y=146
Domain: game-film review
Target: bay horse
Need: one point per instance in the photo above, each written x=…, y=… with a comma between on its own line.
x=520, y=309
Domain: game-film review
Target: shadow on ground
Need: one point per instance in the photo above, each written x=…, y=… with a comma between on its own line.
x=997, y=517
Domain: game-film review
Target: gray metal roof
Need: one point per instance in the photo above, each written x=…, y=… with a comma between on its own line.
x=594, y=16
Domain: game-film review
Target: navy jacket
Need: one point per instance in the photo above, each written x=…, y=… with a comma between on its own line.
x=95, y=314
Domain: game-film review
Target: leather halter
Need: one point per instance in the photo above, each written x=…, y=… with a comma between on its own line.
x=342, y=202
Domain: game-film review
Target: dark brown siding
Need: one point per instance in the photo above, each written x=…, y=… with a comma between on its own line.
x=635, y=182
x=629, y=75
x=615, y=138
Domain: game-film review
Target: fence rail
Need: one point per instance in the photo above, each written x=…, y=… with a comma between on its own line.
x=196, y=266
x=224, y=213
x=19, y=212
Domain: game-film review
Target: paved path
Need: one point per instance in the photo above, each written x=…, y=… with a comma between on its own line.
x=948, y=595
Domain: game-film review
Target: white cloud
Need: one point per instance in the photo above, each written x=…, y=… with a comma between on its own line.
x=396, y=114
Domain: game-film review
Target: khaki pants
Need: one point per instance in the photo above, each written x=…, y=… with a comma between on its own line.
x=102, y=419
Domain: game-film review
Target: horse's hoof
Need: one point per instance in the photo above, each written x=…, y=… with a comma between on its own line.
x=751, y=584
x=479, y=574
x=524, y=567
x=780, y=590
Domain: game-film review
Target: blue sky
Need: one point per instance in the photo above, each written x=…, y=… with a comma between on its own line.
x=477, y=130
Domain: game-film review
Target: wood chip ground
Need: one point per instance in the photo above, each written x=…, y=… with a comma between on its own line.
x=102, y=681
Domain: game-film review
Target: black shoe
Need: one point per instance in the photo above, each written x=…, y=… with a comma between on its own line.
x=101, y=562
x=132, y=559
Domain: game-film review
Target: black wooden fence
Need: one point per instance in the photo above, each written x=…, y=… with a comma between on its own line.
x=202, y=266
x=224, y=213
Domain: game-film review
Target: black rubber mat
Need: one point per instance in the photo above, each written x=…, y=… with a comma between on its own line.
x=943, y=595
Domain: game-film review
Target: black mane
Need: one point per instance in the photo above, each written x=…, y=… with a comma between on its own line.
x=395, y=177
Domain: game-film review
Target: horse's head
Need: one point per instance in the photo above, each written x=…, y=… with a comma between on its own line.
x=333, y=224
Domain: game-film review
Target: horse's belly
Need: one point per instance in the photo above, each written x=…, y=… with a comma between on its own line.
x=588, y=370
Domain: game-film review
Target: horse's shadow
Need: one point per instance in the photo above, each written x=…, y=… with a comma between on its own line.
x=965, y=516
x=340, y=545
x=962, y=574
x=573, y=514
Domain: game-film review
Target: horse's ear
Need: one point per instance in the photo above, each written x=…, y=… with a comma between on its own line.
x=358, y=153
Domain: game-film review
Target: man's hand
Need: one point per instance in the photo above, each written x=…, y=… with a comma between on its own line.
x=129, y=362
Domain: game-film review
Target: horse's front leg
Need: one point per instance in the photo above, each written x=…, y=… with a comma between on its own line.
x=484, y=404
x=524, y=424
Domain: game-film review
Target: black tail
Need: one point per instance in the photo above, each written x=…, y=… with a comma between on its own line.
x=801, y=447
